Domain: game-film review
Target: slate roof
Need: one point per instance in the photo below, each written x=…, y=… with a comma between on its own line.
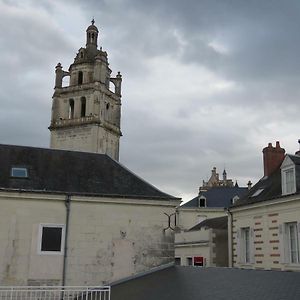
x=269, y=187
x=190, y=283
x=73, y=172
x=214, y=223
x=218, y=196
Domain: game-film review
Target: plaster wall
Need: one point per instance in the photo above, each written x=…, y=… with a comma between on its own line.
x=108, y=239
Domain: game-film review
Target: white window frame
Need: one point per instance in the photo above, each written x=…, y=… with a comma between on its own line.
x=245, y=256
x=245, y=245
x=286, y=243
x=202, y=198
x=284, y=173
x=19, y=169
x=234, y=199
x=40, y=233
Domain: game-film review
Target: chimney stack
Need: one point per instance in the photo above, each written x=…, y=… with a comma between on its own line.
x=273, y=157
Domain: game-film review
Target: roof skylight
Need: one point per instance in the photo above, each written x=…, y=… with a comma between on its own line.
x=258, y=192
x=19, y=172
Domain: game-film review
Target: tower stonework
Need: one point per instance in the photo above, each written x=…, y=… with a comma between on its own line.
x=86, y=114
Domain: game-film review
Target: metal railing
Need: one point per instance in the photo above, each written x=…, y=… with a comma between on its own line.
x=54, y=293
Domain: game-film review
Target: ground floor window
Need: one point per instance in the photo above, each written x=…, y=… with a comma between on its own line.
x=51, y=239
x=177, y=261
x=189, y=261
x=292, y=242
x=245, y=245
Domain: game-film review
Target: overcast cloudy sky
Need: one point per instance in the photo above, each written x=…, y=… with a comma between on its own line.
x=205, y=83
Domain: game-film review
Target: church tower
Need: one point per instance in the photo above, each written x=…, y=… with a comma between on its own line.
x=86, y=114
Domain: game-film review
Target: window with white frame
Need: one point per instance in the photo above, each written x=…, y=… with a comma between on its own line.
x=292, y=239
x=19, y=172
x=288, y=181
x=202, y=201
x=51, y=239
x=245, y=245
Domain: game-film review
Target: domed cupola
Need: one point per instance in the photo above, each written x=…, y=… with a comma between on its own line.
x=92, y=35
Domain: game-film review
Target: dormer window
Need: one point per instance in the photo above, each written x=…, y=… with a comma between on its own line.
x=202, y=201
x=288, y=181
x=19, y=172
x=288, y=176
x=234, y=199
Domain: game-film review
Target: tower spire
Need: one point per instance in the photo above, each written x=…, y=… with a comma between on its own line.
x=92, y=35
x=86, y=114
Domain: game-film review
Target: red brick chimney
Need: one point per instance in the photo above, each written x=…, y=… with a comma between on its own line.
x=273, y=157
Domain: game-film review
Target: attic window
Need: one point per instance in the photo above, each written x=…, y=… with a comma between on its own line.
x=202, y=201
x=288, y=181
x=257, y=193
x=234, y=199
x=19, y=172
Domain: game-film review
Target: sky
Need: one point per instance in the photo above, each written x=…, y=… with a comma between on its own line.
x=206, y=83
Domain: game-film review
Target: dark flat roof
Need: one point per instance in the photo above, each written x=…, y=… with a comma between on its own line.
x=193, y=283
x=214, y=223
x=74, y=172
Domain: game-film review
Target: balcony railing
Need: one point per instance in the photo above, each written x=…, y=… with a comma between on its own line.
x=54, y=293
x=74, y=121
x=83, y=120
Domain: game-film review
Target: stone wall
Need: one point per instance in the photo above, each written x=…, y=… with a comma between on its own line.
x=266, y=222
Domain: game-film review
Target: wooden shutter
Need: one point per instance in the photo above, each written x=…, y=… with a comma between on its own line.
x=282, y=238
x=238, y=245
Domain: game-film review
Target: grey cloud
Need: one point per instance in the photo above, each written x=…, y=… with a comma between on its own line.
x=175, y=146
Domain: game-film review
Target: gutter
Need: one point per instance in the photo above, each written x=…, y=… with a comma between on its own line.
x=68, y=208
x=142, y=197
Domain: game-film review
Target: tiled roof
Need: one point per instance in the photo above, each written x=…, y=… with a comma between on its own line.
x=72, y=172
x=218, y=196
x=190, y=283
x=269, y=187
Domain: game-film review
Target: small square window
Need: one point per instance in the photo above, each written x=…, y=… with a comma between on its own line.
x=19, y=172
x=51, y=239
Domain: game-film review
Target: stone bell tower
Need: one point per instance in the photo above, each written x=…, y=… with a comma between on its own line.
x=86, y=114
